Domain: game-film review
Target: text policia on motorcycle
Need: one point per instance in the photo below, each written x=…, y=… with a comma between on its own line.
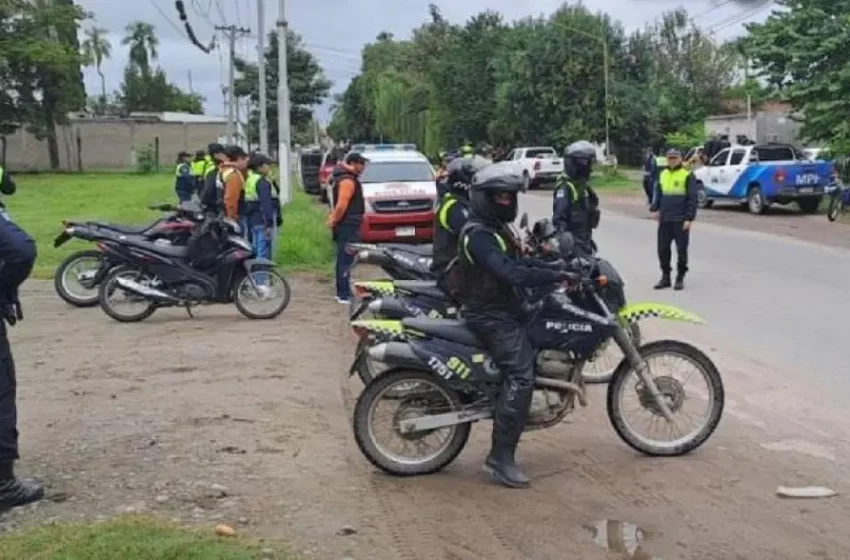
x=506, y=326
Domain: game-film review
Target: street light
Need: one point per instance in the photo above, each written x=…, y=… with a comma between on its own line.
x=602, y=39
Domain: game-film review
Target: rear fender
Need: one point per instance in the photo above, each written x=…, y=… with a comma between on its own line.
x=252, y=265
x=377, y=288
x=634, y=312
x=381, y=329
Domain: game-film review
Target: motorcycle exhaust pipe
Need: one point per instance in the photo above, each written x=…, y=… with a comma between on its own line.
x=562, y=386
x=147, y=291
x=397, y=353
x=389, y=308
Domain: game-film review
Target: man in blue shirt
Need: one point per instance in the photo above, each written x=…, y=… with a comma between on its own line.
x=184, y=182
x=262, y=205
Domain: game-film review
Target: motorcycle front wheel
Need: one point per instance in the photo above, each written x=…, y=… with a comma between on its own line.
x=627, y=383
x=834, y=207
x=75, y=286
x=426, y=394
x=110, y=288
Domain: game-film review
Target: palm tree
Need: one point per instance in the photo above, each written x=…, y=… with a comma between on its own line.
x=97, y=48
x=141, y=37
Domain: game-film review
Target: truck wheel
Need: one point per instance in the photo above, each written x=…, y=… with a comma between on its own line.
x=755, y=201
x=702, y=197
x=809, y=205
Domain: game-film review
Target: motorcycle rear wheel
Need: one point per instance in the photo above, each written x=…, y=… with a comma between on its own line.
x=110, y=284
x=364, y=433
x=681, y=446
x=88, y=295
x=244, y=282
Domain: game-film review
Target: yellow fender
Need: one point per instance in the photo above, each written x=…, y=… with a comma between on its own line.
x=379, y=326
x=377, y=287
x=637, y=311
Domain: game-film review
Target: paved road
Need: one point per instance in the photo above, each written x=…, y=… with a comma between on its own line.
x=774, y=300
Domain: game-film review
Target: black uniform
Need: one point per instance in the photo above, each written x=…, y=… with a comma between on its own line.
x=17, y=256
x=675, y=201
x=575, y=208
x=490, y=276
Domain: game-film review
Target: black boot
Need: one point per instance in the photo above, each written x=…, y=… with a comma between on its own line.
x=664, y=282
x=680, y=278
x=508, y=424
x=15, y=492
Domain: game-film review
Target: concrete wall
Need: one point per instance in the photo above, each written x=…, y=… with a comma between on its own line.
x=108, y=144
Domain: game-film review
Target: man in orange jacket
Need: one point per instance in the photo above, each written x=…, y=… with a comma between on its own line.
x=233, y=177
x=346, y=217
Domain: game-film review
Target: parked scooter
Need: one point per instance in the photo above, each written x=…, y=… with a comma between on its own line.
x=154, y=276
x=89, y=267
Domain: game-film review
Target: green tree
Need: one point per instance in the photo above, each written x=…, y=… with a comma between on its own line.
x=97, y=48
x=40, y=71
x=801, y=50
x=308, y=86
x=144, y=44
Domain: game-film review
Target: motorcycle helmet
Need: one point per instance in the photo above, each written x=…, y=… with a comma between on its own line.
x=578, y=159
x=494, y=192
x=460, y=173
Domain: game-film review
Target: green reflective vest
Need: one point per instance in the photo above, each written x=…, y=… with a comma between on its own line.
x=502, y=245
x=563, y=182
x=210, y=166
x=449, y=200
x=198, y=167
x=182, y=170
x=674, y=181
x=251, y=181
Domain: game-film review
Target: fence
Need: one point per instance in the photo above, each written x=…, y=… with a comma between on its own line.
x=106, y=144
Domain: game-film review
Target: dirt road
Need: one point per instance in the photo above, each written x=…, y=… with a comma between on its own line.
x=224, y=419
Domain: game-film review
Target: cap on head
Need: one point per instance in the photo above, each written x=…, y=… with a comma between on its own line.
x=200, y=154
x=258, y=160
x=673, y=153
x=215, y=148
x=184, y=154
x=355, y=158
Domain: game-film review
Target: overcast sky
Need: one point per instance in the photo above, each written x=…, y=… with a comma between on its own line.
x=335, y=36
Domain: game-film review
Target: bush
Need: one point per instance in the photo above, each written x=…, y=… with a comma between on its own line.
x=146, y=160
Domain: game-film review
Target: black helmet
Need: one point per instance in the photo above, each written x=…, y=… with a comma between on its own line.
x=215, y=148
x=578, y=159
x=460, y=173
x=543, y=229
x=492, y=180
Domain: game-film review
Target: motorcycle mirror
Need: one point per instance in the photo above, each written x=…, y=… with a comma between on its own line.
x=566, y=244
x=523, y=222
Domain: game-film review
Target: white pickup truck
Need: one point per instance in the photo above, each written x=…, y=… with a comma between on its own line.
x=538, y=165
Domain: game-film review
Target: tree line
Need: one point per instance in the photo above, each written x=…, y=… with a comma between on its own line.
x=543, y=80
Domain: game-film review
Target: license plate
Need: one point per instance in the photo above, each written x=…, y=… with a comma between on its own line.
x=806, y=190
x=409, y=231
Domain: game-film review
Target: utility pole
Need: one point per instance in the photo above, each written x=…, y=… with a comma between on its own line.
x=191, y=90
x=231, y=31
x=283, y=133
x=261, y=64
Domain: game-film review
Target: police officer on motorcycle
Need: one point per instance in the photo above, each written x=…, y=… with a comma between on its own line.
x=17, y=257
x=575, y=205
x=452, y=214
x=489, y=276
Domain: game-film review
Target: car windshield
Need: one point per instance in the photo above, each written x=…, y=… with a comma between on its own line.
x=540, y=152
x=397, y=172
x=775, y=153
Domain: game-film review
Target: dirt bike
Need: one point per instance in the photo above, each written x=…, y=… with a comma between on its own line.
x=157, y=276
x=88, y=268
x=389, y=299
x=443, y=381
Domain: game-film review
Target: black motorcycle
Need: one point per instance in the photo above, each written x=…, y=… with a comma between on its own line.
x=440, y=380
x=225, y=271
x=88, y=268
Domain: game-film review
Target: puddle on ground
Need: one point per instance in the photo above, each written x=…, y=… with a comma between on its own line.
x=621, y=537
x=800, y=446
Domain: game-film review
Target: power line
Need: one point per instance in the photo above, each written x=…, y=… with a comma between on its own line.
x=741, y=16
x=168, y=19
x=181, y=11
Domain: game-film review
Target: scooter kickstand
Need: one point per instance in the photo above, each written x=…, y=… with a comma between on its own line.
x=189, y=311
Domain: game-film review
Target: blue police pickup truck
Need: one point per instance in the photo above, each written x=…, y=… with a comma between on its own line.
x=762, y=175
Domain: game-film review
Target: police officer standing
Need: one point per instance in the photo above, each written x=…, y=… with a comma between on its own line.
x=452, y=214
x=346, y=217
x=675, y=203
x=17, y=256
x=184, y=182
x=199, y=165
x=576, y=206
x=489, y=273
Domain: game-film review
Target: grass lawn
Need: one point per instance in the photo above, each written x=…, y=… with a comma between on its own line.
x=43, y=201
x=130, y=538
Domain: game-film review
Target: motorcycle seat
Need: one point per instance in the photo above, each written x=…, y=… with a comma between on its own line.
x=122, y=228
x=447, y=329
x=420, y=287
x=167, y=250
x=419, y=250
